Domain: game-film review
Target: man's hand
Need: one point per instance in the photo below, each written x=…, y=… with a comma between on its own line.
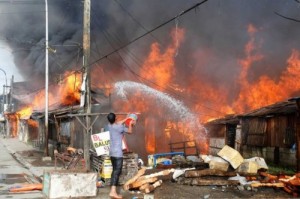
x=132, y=123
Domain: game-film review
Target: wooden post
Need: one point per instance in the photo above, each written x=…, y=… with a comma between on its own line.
x=297, y=131
x=298, y=135
x=86, y=78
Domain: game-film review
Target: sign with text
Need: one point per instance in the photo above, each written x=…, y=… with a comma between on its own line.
x=101, y=143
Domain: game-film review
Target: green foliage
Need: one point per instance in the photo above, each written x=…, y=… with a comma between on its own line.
x=275, y=170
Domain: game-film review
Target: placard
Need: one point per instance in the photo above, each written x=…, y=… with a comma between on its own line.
x=101, y=143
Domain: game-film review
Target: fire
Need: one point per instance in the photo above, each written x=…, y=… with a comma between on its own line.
x=265, y=90
x=150, y=136
x=25, y=112
x=67, y=92
x=33, y=123
x=208, y=99
x=159, y=66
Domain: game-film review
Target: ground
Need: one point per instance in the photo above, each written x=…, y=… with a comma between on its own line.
x=170, y=190
x=174, y=190
x=18, y=159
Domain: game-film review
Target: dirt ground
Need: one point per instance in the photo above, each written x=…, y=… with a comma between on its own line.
x=173, y=190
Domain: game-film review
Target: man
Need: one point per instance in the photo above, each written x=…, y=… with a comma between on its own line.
x=116, y=132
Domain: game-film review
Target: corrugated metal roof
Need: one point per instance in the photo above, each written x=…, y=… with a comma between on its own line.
x=279, y=108
x=285, y=107
x=229, y=119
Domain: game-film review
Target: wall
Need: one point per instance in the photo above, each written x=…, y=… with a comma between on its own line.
x=215, y=145
x=287, y=156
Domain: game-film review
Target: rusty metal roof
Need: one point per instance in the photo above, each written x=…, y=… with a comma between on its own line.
x=280, y=108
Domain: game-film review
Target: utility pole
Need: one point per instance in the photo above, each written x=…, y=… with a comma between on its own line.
x=11, y=108
x=87, y=80
x=46, y=83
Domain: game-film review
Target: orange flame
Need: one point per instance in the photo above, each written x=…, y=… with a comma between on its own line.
x=25, y=112
x=150, y=136
x=266, y=91
x=67, y=92
x=33, y=123
x=159, y=66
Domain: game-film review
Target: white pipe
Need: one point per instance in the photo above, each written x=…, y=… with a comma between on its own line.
x=46, y=80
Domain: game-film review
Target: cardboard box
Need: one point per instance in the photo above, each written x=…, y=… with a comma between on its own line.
x=232, y=156
x=248, y=167
x=218, y=164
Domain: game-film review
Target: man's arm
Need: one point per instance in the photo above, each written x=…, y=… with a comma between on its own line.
x=122, y=121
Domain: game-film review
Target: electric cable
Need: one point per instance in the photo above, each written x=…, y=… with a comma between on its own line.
x=150, y=31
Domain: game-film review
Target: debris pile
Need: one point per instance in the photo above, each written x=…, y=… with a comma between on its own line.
x=70, y=158
x=231, y=169
x=145, y=183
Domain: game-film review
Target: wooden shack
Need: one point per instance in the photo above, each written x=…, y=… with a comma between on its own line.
x=222, y=132
x=269, y=132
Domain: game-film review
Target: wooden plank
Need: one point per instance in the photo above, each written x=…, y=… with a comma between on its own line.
x=139, y=183
x=144, y=186
x=206, y=182
x=259, y=184
x=153, y=186
x=161, y=173
x=132, y=180
x=208, y=172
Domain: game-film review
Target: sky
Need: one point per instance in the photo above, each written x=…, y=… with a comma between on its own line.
x=7, y=64
x=213, y=47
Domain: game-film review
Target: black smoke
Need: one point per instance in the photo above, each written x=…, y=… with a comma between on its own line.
x=218, y=27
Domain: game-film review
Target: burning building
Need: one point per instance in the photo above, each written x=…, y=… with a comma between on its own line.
x=271, y=132
x=221, y=59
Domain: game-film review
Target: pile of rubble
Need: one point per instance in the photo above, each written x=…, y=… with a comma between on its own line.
x=145, y=183
x=230, y=168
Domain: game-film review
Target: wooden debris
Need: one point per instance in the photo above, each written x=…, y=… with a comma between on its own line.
x=260, y=184
x=132, y=180
x=153, y=186
x=139, y=183
x=206, y=182
x=146, y=183
x=143, y=187
x=27, y=187
x=161, y=173
x=208, y=172
x=268, y=176
x=290, y=184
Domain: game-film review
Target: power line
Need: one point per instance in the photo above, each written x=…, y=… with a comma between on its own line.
x=29, y=12
x=139, y=77
x=289, y=18
x=150, y=31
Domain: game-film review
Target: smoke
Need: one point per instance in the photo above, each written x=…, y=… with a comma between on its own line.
x=216, y=34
